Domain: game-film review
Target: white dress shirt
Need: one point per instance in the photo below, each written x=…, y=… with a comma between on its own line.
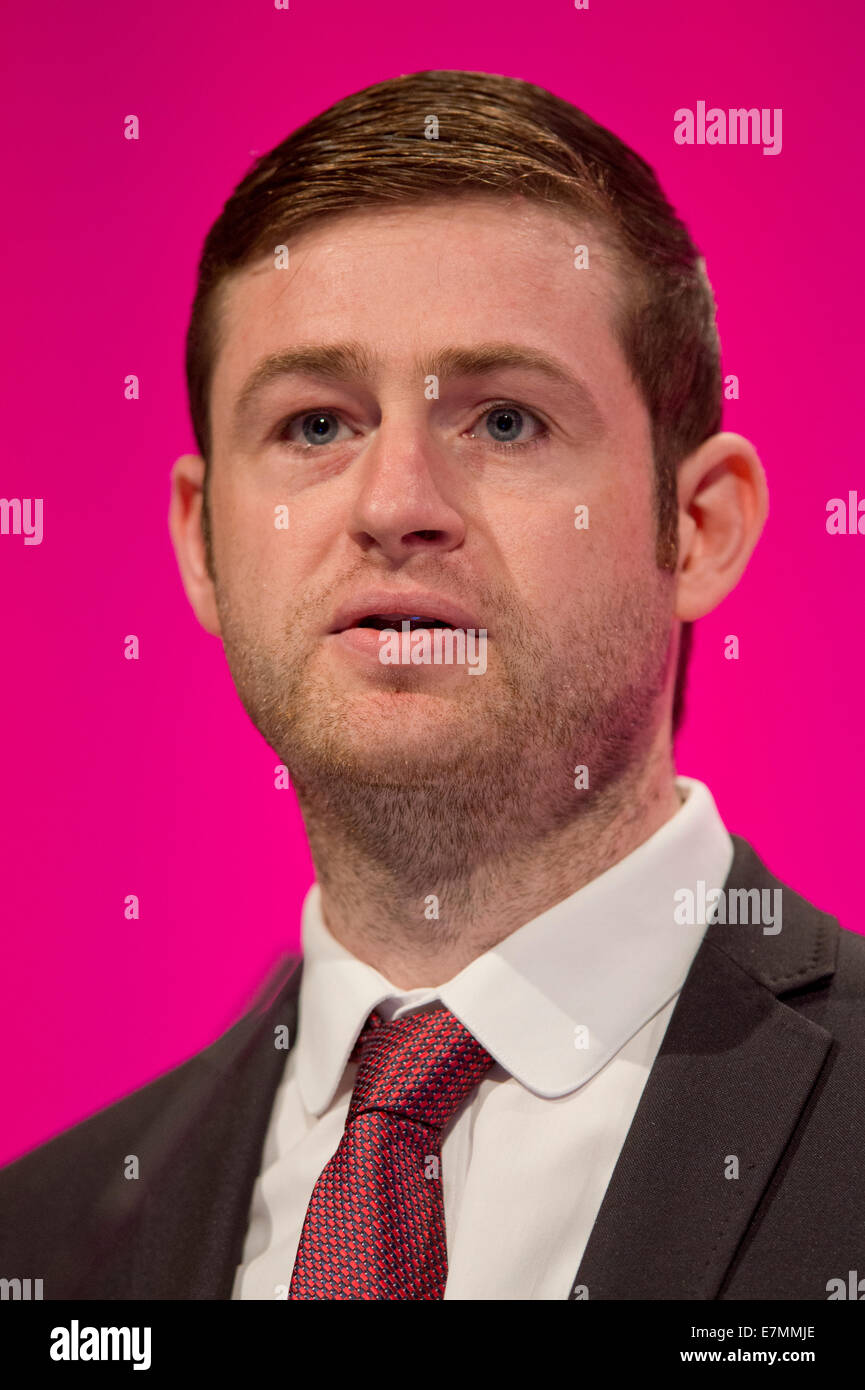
x=573, y=1007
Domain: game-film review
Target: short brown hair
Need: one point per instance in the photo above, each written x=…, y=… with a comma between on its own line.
x=498, y=136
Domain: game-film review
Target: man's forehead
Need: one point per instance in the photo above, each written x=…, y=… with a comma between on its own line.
x=474, y=232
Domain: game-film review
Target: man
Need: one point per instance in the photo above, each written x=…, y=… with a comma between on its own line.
x=454, y=378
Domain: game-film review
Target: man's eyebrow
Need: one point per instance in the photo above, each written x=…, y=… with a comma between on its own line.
x=343, y=361
x=489, y=357
x=334, y=361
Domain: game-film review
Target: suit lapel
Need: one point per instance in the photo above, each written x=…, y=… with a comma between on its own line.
x=186, y=1237
x=729, y=1084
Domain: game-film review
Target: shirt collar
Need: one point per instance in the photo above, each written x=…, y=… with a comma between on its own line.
x=559, y=997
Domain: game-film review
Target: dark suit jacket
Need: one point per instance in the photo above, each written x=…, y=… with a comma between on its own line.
x=763, y=1060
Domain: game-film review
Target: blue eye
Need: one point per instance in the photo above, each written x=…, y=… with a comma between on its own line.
x=317, y=428
x=310, y=429
x=505, y=424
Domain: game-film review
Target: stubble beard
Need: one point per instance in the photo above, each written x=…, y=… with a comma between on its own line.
x=495, y=770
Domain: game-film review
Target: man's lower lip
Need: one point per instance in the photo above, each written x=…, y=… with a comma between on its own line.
x=366, y=638
x=360, y=639
x=368, y=641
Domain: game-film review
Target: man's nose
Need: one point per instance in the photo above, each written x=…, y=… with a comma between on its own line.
x=407, y=494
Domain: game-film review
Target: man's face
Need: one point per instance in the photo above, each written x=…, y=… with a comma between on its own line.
x=411, y=497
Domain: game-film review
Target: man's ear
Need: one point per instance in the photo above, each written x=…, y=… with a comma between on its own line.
x=723, y=505
x=184, y=523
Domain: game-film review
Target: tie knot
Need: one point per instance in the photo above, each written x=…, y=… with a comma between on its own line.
x=421, y=1066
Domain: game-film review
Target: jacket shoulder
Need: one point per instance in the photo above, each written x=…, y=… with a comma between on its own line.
x=63, y=1171
x=778, y=936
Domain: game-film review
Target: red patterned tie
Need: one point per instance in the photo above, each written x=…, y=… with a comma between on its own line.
x=375, y=1225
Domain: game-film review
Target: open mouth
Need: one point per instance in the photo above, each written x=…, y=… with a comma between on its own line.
x=422, y=612
x=449, y=635
x=384, y=621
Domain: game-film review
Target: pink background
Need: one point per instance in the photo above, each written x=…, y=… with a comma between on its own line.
x=147, y=777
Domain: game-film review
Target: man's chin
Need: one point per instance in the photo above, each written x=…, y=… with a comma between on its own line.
x=390, y=735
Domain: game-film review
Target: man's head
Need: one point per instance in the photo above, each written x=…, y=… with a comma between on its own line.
x=424, y=282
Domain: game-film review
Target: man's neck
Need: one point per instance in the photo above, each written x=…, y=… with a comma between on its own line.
x=421, y=928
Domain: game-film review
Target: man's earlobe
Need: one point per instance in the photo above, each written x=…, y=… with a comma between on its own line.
x=186, y=525
x=723, y=505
